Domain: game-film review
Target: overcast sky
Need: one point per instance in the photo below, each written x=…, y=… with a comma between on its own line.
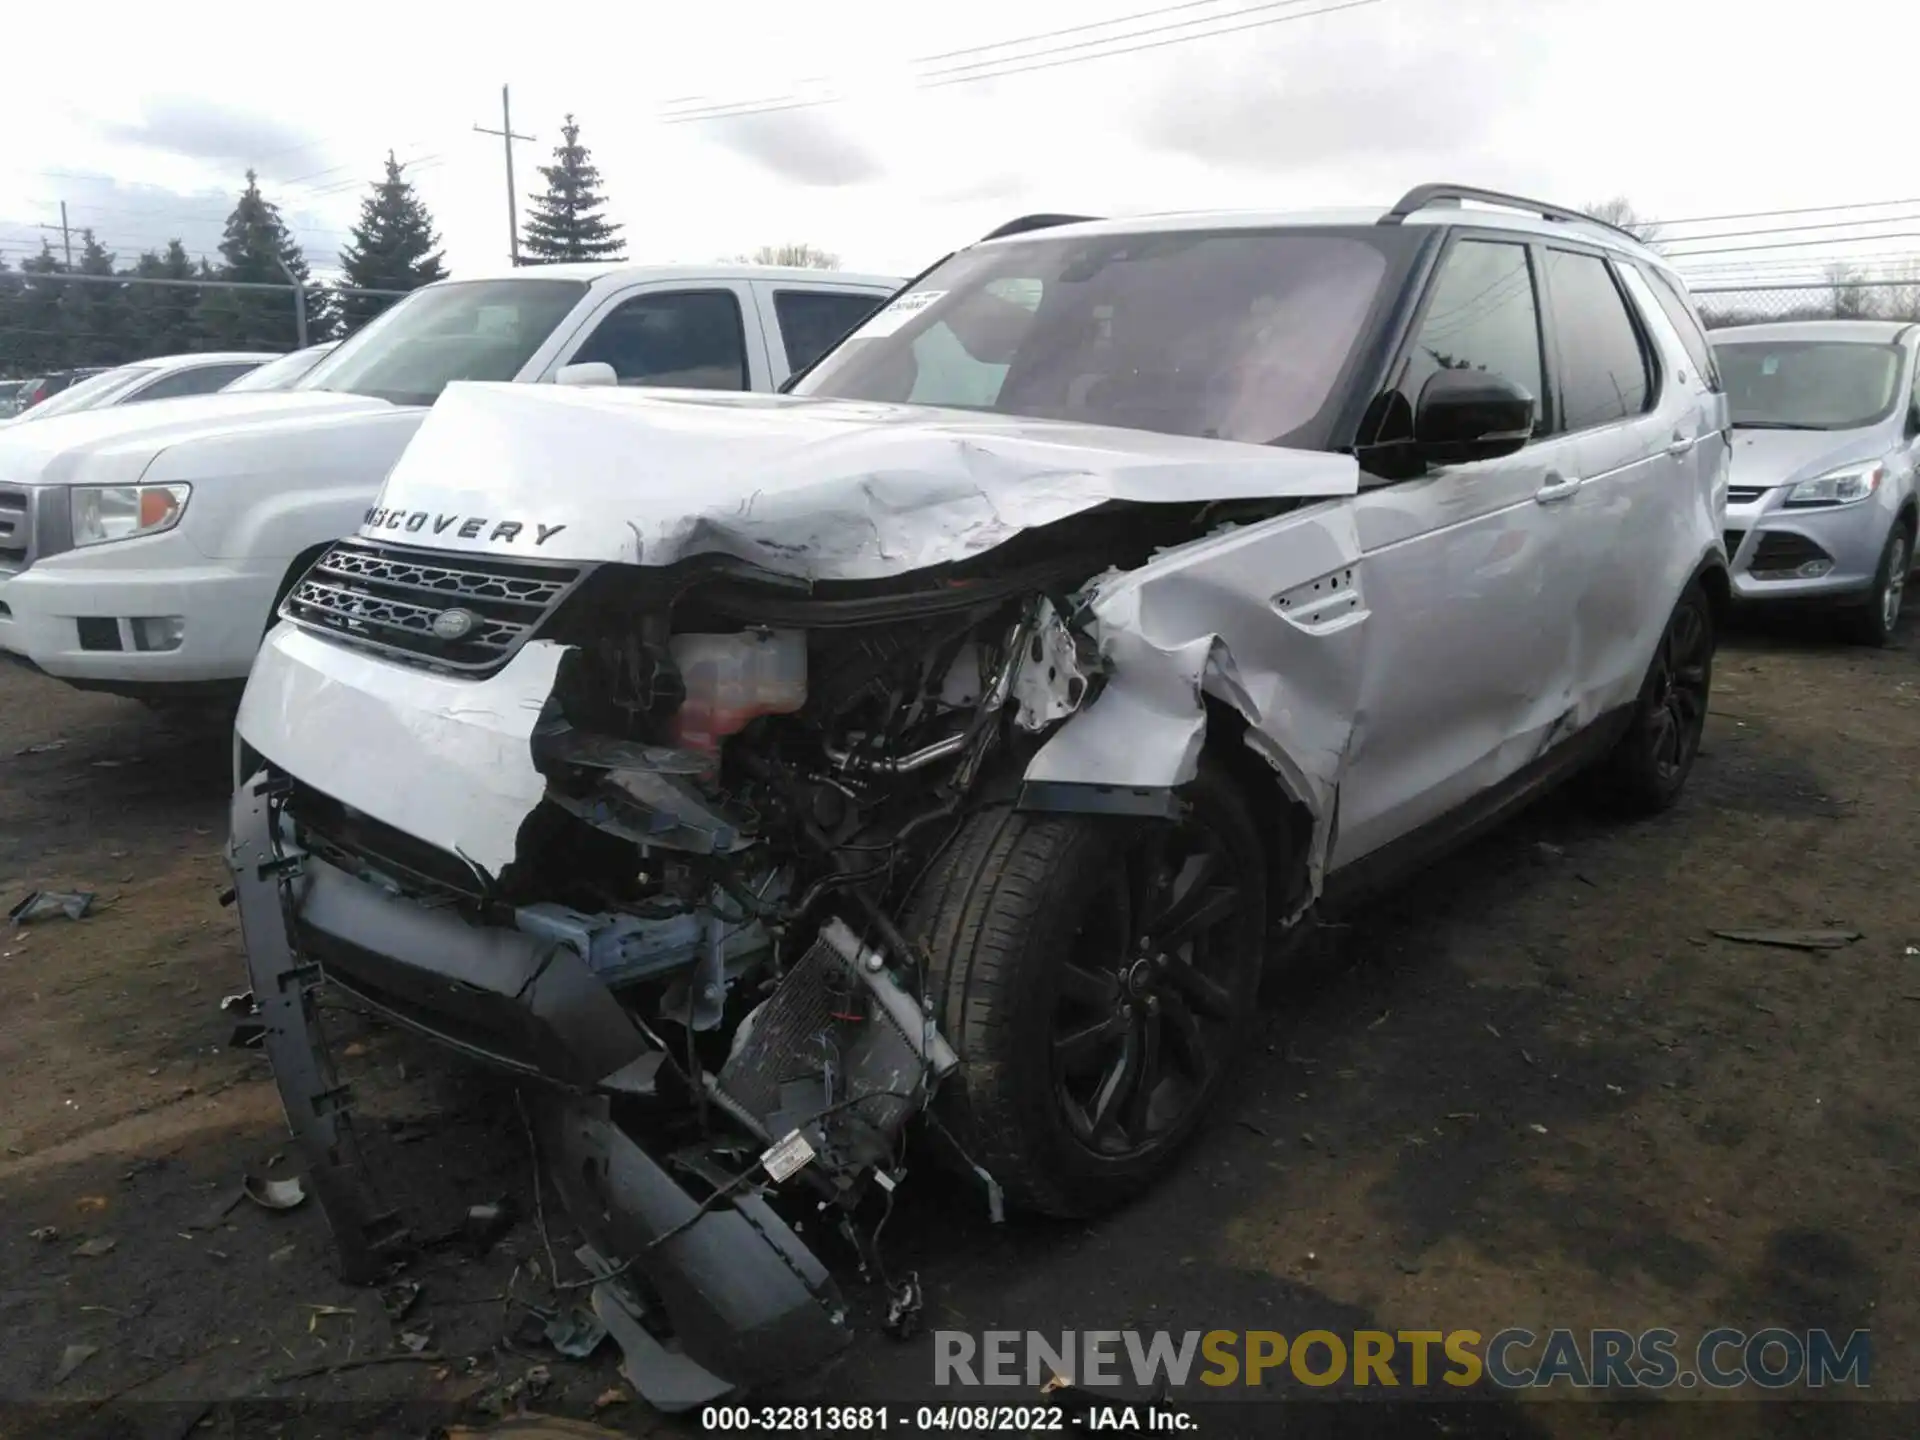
x=1689, y=107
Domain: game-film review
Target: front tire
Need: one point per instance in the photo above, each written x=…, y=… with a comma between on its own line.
x=1648, y=767
x=1098, y=979
x=1873, y=622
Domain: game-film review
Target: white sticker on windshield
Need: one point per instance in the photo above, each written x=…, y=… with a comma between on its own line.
x=897, y=314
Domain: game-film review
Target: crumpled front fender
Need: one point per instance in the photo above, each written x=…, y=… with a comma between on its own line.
x=1269, y=619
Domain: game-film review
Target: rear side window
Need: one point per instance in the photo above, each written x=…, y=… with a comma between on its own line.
x=1692, y=335
x=811, y=320
x=1482, y=316
x=691, y=339
x=1603, y=367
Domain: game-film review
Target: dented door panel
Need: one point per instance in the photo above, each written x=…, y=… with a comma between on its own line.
x=1468, y=677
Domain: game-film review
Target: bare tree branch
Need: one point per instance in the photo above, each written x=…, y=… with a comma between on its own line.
x=1619, y=211
x=793, y=253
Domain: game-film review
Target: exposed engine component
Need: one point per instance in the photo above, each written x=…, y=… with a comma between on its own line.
x=846, y=1076
x=742, y=785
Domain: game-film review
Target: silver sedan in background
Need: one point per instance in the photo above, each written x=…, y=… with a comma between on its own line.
x=169, y=377
x=1821, y=505
x=280, y=374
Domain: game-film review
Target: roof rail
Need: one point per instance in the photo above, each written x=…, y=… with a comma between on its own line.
x=1422, y=197
x=1034, y=222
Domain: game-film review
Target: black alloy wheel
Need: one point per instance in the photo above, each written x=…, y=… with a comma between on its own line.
x=1148, y=998
x=1098, y=977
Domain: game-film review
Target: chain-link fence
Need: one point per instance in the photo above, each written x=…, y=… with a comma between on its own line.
x=65, y=320
x=1721, y=307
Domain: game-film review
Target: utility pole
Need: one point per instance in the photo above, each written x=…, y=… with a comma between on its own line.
x=507, y=137
x=299, y=303
x=66, y=235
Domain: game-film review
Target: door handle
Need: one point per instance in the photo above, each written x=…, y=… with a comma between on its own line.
x=1558, y=487
x=1679, y=445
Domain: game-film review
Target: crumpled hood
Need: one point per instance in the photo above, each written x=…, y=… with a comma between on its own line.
x=49, y=450
x=821, y=489
x=1781, y=457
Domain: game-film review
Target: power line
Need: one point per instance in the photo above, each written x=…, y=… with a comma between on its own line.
x=1791, y=245
x=1812, y=285
x=1154, y=13
x=1776, y=269
x=1772, y=262
x=1806, y=210
x=280, y=191
x=123, y=243
x=688, y=110
x=941, y=79
x=167, y=228
x=1791, y=229
x=1198, y=33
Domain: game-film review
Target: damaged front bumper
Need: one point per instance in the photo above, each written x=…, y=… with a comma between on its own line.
x=747, y=1302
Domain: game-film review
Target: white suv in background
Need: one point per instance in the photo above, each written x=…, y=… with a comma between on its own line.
x=143, y=548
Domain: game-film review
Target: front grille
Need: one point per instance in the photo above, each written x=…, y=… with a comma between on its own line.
x=1732, y=539
x=1783, y=550
x=1744, y=494
x=16, y=529
x=385, y=598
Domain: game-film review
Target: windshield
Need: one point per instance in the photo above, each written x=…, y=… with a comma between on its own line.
x=1808, y=384
x=279, y=374
x=1234, y=335
x=464, y=330
x=95, y=390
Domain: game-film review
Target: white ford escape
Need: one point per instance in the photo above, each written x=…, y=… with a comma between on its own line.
x=951, y=734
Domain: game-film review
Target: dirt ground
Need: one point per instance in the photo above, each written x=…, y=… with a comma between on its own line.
x=1534, y=1089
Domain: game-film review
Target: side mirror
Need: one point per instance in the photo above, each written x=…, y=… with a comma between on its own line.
x=1465, y=415
x=588, y=372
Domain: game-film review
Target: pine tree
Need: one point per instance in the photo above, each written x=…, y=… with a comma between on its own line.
x=36, y=316
x=11, y=359
x=565, y=223
x=393, y=248
x=323, y=313
x=253, y=249
x=163, y=318
x=95, y=316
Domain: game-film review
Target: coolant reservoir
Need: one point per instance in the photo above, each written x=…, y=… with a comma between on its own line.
x=731, y=679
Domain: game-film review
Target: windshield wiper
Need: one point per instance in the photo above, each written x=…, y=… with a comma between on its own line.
x=1775, y=425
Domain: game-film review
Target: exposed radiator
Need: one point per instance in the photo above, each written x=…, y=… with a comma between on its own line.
x=838, y=1028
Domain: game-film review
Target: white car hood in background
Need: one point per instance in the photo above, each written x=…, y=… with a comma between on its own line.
x=822, y=489
x=28, y=449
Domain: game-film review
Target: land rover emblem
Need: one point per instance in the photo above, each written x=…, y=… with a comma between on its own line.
x=453, y=624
